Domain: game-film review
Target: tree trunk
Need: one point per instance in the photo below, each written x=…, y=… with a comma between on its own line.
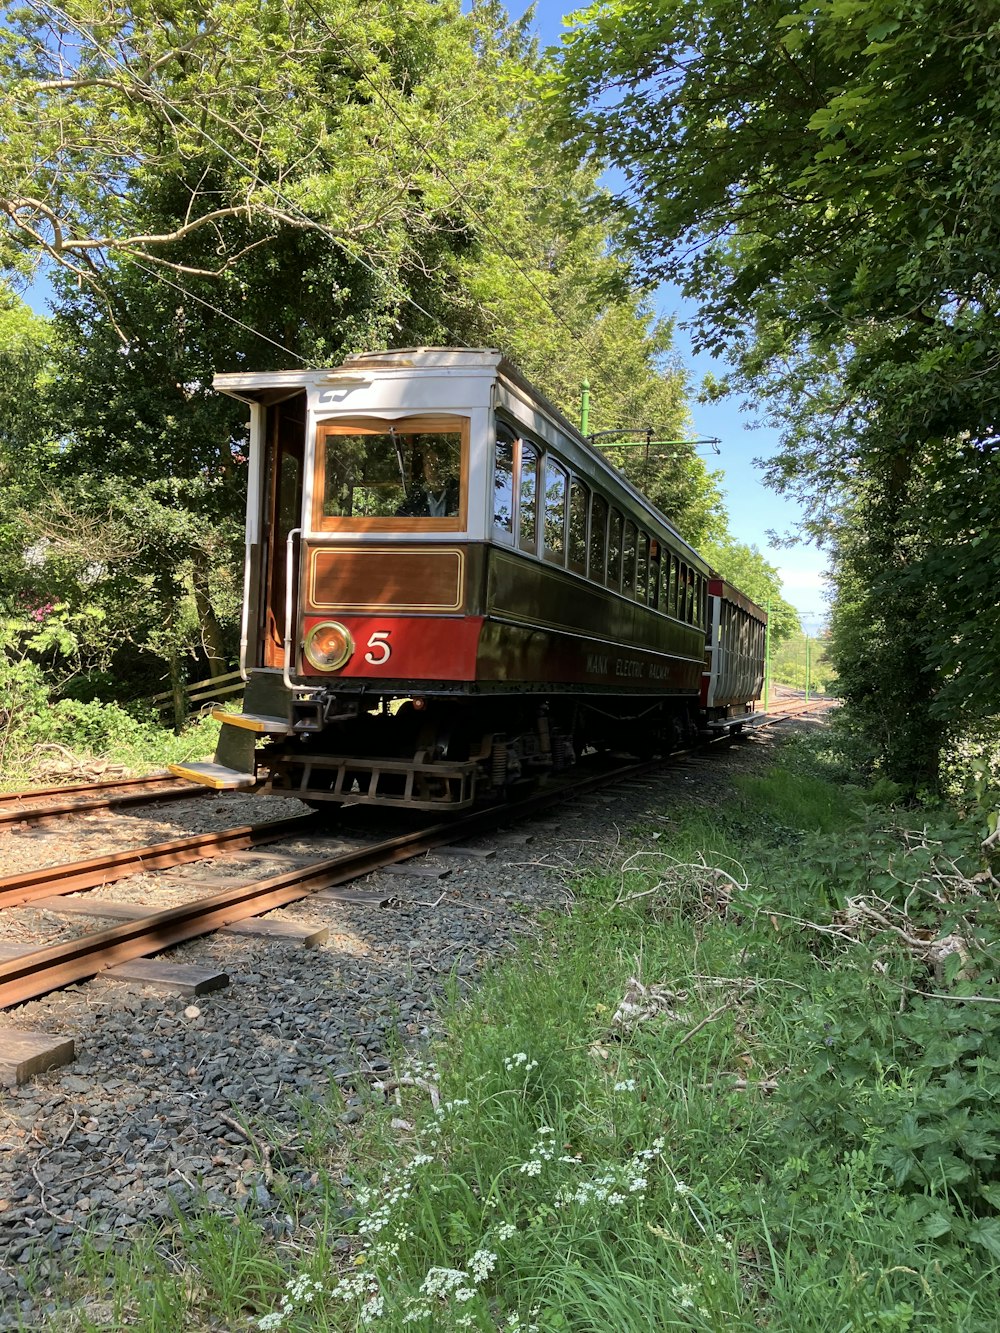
x=178, y=691
x=211, y=631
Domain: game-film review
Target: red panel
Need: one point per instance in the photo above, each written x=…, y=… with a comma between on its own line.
x=405, y=648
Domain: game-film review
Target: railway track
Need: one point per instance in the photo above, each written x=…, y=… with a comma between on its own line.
x=34, y=803
x=145, y=931
x=34, y=973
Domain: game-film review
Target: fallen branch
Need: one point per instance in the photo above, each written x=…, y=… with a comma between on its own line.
x=709, y=1018
x=263, y=1148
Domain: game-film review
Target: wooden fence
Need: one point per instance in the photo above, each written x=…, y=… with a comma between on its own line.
x=199, y=694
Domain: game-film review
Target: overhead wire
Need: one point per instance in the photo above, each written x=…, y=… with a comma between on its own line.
x=351, y=253
x=162, y=277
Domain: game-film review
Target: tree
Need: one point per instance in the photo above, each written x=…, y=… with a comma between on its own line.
x=196, y=236
x=822, y=178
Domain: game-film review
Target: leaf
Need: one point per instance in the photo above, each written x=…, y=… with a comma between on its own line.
x=985, y=1231
x=936, y=1224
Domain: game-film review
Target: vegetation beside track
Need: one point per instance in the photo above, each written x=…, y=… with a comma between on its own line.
x=746, y=1081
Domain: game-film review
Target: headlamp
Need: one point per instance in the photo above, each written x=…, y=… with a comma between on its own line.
x=328, y=645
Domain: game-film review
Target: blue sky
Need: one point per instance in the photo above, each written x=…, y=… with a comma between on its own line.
x=754, y=509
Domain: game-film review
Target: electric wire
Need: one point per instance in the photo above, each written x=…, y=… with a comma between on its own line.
x=162, y=277
x=170, y=109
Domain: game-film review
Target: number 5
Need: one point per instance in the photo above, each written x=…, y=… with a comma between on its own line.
x=380, y=650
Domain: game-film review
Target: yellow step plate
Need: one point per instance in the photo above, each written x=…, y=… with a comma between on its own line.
x=275, y=726
x=214, y=775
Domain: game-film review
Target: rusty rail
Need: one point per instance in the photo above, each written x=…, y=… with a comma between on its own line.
x=108, y=797
x=36, y=973
x=94, y=873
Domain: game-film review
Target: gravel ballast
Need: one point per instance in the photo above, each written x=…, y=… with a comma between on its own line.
x=140, y=1125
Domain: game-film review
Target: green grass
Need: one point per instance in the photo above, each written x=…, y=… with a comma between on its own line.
x=777, y=1135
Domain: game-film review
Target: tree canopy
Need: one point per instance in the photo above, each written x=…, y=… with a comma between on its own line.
x=822, y=178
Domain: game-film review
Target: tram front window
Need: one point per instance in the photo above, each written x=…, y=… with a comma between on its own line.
x=383, y=471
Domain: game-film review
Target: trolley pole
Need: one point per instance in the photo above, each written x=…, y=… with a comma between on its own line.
x=767, y=656
x=584, y=406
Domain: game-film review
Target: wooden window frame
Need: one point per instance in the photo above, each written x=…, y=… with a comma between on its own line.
x=417, y=422
x=578, y=483
x=539, y=453
x=500, y=535
x=555, y=558
x=614, y=512
x=601, y=576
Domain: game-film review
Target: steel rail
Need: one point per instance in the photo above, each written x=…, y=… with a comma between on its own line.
x=65, y=789
x=94, y=873
x=36, y=973
x=115, y=801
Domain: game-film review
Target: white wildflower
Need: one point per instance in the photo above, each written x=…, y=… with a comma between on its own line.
x=505, y=1230
x=532, y=1168
x=443, y=1281
x=682, y=1189
x=482, y=1264
x=626, y=1085
x=269, y=1321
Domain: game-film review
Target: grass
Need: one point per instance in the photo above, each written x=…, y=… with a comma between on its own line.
x=683, y=1108
x=70, y=738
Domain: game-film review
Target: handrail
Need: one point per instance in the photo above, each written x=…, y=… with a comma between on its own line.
x=289, y=609
x=245, y=614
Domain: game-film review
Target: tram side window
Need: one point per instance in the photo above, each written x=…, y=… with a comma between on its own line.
x=527, y=502
x=503, y=486
x=555, y=512
x=579, y=494
x=682, y=578
x=615, y=550
x=628, y=560
x=670, y=579
x=598, y=537
x=642, y=564
x=689, y=599
x=654, y=573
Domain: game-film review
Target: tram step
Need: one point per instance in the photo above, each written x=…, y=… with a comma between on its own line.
x=261, y=722
x=215, y=775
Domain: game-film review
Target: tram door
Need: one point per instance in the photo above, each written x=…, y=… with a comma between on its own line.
x=282, y=501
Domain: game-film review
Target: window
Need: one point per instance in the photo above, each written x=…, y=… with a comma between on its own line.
x=598, y=537
x=579, y=495
x=654, y=573
x=672, y=587
x=642, y=564
x=682, y=578
x=373, y=472
x=555, y=511
x=628, y=560
x=527, y=505
x=615, y=550
x=503, y=485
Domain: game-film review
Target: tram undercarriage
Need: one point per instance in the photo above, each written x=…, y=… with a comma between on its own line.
x=434, y=753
